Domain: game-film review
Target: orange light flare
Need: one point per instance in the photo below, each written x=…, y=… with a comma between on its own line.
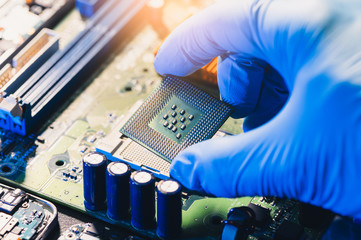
x=166, y=16
x=155, y=16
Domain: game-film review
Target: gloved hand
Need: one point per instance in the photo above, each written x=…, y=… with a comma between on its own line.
x=311, y=149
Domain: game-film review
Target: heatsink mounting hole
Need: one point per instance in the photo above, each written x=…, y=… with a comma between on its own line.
x=60, y=163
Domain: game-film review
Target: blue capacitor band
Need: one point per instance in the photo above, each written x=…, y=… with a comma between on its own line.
x=142, y=200
x=118, y=193
x=94, y=168
x=169, y=209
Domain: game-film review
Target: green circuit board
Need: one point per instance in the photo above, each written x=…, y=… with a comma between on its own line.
x=49, y=164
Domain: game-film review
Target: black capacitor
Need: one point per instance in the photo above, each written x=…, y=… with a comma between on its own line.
x=94, y=170
x=169, y=209
x=118, y=195
x=142, y=199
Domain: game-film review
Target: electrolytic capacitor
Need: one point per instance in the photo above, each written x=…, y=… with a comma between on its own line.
x=169, y=209
x=118, y=195
x=142, y=200
x=94, y=170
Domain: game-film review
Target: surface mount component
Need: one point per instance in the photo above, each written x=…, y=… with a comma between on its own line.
x=175, y=116
x=11, y=200
x=94, y=231
x=24, y=216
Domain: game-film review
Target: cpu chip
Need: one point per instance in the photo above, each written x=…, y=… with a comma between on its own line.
x=175, y=116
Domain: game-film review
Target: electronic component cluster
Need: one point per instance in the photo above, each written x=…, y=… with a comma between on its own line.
x=132, y=195
x=24, y=216
x=90, y=231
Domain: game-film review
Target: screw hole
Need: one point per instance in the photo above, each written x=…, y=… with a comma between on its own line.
x=59, y=163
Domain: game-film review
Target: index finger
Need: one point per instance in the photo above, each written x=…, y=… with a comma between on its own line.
x=223, y=28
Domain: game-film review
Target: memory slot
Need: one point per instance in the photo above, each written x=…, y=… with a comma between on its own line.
x=24, y=56
x=59, y=69
x=32, y=50
x=30, y=58
x=54, y=14
x=26, y=112
x=76, y=53
x=101, y=48
x=45, y=44
x=21, y=90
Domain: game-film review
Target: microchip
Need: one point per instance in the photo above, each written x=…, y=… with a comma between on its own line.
x=175, y=116
x=17, y=230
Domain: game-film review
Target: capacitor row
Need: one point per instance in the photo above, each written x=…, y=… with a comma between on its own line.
x=132, y=194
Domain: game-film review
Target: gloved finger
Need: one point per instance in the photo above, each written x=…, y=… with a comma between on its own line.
x=239, y=82
x=221, y=28
x=252, y=87
x=274, y=31
x=272, y=97
x=233, y=166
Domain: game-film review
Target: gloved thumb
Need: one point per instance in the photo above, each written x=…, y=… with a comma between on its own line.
x=232, y=166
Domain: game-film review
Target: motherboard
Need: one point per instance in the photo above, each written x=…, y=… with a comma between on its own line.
x=80, y=86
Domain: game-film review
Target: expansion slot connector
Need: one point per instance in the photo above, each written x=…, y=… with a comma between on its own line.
x=30, y=58
x=50, y=16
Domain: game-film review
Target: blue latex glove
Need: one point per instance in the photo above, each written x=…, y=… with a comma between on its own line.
x=311, y=148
